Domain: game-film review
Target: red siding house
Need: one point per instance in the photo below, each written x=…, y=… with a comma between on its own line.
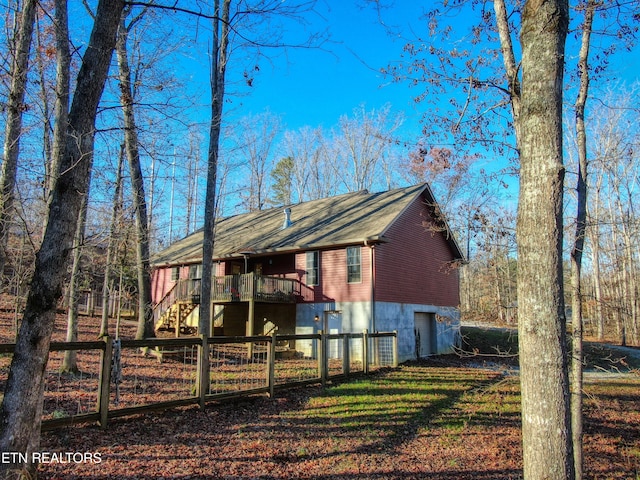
x=376, y=261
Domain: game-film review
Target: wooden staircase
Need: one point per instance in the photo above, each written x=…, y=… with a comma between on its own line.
x=176, y=315
x=172, y=311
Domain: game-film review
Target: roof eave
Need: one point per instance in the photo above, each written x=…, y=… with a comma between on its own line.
x=369, y=240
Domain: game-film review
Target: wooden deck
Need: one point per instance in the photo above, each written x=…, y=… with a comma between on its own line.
x=259, y=288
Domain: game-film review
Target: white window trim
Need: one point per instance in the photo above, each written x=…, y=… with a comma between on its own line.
x=359, y=264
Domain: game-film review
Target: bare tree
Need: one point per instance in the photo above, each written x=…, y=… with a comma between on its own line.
x=127, y=94
x=256, y=135
x=593, y=215
x=531, y=89
x=44, y=91
x=579, y=242
x=63, y=80
x=623, y=180
x=13, y=129
x=192, y=191
x=546, y=422
x=614, y=179
x=69, y=360
x=61, y=112
x=312, y=169
x=245, y=25
x=116, y=209
x=20, y=415
x=360, y=144
x=219, y=59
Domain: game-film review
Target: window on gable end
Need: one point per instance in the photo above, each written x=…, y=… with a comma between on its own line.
x=175, y=274
x=354, y=265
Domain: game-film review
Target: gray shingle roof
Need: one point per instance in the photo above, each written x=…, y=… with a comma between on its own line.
x=341, y=220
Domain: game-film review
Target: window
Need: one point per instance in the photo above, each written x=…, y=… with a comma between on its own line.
x=313, y=268
x=195, y=272
x=354, y=265
x=175, y=274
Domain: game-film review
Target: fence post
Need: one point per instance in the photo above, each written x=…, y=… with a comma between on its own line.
x=104, y=382
x=271, y=362
x=322, y=357
x=346, y=355
x=365, y=351
x=395, y=349
x=202, y=385
x=374, y=351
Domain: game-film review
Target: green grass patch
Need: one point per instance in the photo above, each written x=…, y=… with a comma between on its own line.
x=394, y=404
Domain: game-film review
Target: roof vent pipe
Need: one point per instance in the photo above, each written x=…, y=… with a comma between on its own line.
x=287, y=218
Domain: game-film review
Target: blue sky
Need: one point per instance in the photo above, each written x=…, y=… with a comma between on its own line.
x=316, y=86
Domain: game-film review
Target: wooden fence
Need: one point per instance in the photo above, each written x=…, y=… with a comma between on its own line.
x=118, y=378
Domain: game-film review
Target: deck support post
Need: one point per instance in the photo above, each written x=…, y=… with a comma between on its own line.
x=178, y=318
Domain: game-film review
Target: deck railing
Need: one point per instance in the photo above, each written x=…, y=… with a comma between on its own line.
x=250, y=286
x=230, y=288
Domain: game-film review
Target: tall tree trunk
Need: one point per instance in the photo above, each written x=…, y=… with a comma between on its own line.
x=594, y=234
x=69, y=361
x=546, y=419
x=218, y=71
x=13, y=125
x=63, y=80
x=44, y=99
x=111, y=247
x=629, y=304
x=618, y=283
x=21, y=412
x=500, y=304
x=145, y=310
x=615, y=287
x=629, y=289
x=578, y=245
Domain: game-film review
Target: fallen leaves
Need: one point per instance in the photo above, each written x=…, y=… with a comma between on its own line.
x=439, y=419
x=469, y=436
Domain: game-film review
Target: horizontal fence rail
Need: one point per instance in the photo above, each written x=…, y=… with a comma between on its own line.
x=117, y=378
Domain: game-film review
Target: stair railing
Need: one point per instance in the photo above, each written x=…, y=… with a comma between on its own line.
x=184, y=289
x=164, y=304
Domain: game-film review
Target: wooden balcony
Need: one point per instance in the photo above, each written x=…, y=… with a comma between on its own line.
x=249, y=286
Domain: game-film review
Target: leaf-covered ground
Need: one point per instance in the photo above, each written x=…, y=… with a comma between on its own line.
x=437, y=420
x=447, y=418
